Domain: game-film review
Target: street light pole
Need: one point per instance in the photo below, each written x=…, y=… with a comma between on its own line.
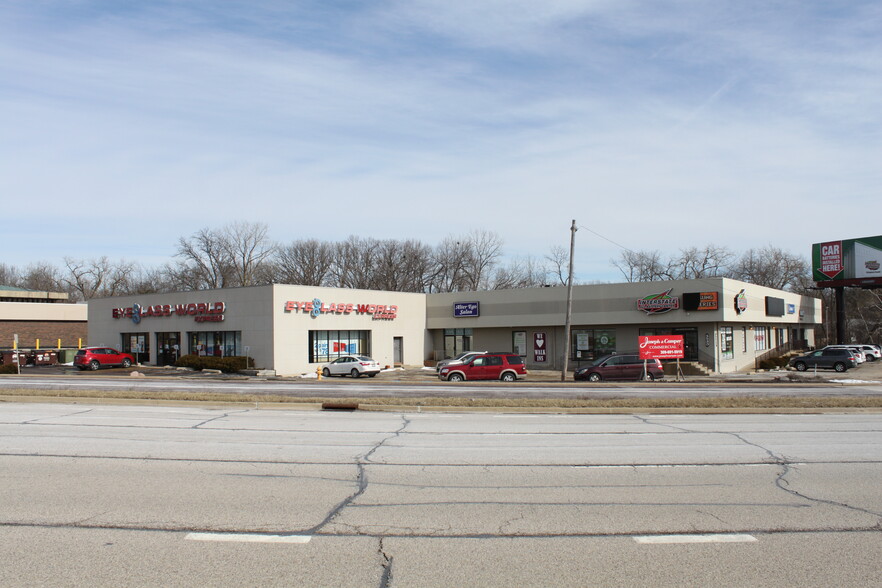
x=563, y=373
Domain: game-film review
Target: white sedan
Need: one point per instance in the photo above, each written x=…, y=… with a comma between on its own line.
x=351, y=365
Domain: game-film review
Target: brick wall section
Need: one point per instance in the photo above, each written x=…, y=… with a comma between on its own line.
x=48, y=332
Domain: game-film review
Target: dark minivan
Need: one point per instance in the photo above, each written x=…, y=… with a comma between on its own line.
x=620, y=367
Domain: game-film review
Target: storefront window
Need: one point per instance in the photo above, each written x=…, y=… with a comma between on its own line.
x=138, y=344
x=216, y=343
x=519, y=342
x=456, y=341
x=325, y=346
x=727, y=344
x=592, y=343
x=762, y=338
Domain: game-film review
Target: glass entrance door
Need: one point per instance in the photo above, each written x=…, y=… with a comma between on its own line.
x=168, y=348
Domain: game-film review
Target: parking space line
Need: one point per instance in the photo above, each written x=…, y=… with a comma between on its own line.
x=709, y=538
x=248, y=538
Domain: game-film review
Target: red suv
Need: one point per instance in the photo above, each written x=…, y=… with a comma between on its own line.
x=93, y=358
x=507, y=367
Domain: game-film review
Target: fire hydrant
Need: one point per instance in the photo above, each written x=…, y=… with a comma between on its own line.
x=318, y=373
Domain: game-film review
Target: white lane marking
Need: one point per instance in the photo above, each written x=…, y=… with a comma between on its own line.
x=248, y=538
x=730, y=538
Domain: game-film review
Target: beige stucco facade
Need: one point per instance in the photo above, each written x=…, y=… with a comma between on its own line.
x=611, y=310
x=273, y=323
x=281, y=329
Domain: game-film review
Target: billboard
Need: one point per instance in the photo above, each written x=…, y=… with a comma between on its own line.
x=660, y=346
x=848, y=262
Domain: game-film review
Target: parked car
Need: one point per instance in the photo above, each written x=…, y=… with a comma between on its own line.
x=93, y=358
x=858, y=353
x=507, y=367
x=351, y=365
x=871, y=352
x=625, y=366
x=458, y=359
x=836, y=358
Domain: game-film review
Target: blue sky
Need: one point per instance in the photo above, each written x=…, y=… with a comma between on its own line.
x=658, y=125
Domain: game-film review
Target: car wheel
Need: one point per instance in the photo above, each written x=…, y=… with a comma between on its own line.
x=355, y=373
x=800, y=366
x=127, y=362
x=649, y=377
x=94, y=365
x=595, y=377
x=82, y=368
x=371, y=375
x=839, y=366
x=455, y=378
x=508, y=377
x=326, y=373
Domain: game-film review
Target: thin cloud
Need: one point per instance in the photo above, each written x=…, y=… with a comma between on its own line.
x=667, y=124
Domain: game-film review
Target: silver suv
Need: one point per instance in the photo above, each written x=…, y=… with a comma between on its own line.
x=458, y=359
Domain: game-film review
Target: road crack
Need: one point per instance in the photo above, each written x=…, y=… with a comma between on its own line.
x=385, y=564
x=361, y=478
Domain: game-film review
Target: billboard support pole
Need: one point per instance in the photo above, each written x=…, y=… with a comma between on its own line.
x=840, y=314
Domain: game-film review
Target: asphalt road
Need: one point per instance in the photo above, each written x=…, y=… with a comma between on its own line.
x=416, y=383
x=134, y=496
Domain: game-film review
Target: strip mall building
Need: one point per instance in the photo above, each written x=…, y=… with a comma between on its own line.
x=727, y=325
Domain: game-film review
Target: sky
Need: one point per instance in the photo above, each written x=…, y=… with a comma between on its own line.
x=655, y=125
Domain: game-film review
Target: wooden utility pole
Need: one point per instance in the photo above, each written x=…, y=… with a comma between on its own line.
x=566, y=357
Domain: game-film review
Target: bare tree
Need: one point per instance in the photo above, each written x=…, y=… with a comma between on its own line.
x=449, y=259
x=353, y=261
x=641, y=266
x=694, y=263
x=9, y=275
x=152, y=281
x=42, y=276
x=520, y=273
x=206, y=264
x=304, y=262
x=485, y=250
x=559, y=259
x=233, y=255
x=97, y=278
x=771, y=267
x=247, y=247
x=402, y=266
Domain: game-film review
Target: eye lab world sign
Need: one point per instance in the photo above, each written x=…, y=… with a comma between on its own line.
x=317, y=308
x=202, y=312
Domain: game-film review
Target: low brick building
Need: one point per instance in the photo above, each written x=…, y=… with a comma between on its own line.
x=47, y=320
